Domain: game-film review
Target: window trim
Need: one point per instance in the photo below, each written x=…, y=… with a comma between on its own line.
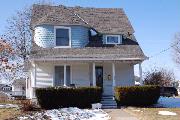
x=119, y=39
x=62, y=27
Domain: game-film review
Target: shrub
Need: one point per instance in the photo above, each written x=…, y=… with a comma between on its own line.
x=137, y=95
x=57, y=97
x=27, y=105
x=160, y=77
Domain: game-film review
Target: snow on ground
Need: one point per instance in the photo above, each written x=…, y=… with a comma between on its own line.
x=137, y=110
x=166, y=113
x=168, y=102
x=8, y=106
x=68, y=114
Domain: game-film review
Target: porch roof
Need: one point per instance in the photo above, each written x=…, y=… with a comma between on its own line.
x=120, y=52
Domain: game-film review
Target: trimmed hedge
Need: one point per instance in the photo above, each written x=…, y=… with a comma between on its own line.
x=58, y=97
x=137, y=95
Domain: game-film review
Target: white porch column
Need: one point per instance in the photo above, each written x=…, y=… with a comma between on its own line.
x=35, y=74
x=71, y=75
x=113, y=74
x=65, y=81
x=94, y=75
x=140, y=74
x=27, y=87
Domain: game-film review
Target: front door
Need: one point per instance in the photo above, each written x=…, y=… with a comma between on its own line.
x=99, y=76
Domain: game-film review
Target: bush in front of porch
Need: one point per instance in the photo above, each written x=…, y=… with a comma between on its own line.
x=58, y=97
x=137, y=95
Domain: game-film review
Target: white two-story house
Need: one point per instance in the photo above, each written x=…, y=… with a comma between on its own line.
x=76, y=46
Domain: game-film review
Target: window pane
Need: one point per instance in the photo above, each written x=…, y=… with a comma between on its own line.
x=112, y=39
x=59, y=75
x=62, y=37
x=62, y=42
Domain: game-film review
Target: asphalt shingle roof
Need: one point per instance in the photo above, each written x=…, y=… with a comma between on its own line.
x=107, y=53
x=103, y=20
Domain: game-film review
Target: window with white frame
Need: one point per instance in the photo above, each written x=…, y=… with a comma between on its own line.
x=113, y=39
x=63, y=36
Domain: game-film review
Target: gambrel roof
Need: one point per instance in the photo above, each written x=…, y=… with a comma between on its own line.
x=103, y=20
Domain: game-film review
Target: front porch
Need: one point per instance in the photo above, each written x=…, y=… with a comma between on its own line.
x=105, y=74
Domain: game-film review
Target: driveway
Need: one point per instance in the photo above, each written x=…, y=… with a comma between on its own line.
x=119, y=114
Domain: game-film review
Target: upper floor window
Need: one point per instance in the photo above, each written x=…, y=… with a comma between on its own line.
x=113, y=39
x=63, y=36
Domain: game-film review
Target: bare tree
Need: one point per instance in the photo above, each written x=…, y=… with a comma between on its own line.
x=8, y=69
x=18, y=35
x=161, y=77
x=5, y=53
x=176, y=49
x=19, y=32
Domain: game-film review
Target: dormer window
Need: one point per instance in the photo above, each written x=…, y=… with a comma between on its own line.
x=113, y=39
x=63, y=37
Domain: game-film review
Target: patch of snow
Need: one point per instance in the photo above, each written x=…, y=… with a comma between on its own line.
x=23, y=118
x=9, y=106
x=168, y=102
x=137, y=83
x=137, y=110
x=166, y=113
x=96, y=106
x=69, y=114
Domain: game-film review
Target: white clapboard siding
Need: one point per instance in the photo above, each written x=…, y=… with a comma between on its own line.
x=124, y=75
x=44, y=75
x=80, y=75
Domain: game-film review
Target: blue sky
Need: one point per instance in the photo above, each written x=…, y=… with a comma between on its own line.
x=155, y=22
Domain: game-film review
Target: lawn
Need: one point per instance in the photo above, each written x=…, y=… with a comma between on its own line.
x=9, y=113
x=152, y=113
x=146, y=113
x=11, y=110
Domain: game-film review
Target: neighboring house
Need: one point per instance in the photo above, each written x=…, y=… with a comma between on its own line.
x=5, y=91
x=176, y=84
x=82, y=47
x=5, y=88
x=178, y=88
x=4, y=96
x=19, y=88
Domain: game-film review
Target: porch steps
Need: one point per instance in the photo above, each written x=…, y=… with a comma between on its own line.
x=108, y=102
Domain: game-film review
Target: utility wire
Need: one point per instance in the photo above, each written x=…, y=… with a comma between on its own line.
x=165, y=50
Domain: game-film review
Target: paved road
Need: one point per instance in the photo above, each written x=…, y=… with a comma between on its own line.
x=119, y=114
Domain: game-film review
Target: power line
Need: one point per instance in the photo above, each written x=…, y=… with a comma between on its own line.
x=165, y=50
